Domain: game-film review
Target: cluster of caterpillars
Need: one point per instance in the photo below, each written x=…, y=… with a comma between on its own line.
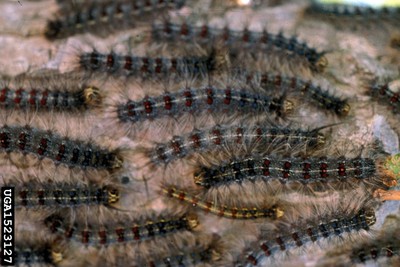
x=241, y=140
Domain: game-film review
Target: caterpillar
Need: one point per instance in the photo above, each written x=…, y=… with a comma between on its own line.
x=355, y=11
x=108, y=15
x=196, y=100
x=290, y=239
x=123, y=232
x=384, y=94
x=288, y=170
x=147, y=67
x=47, y=144
x=384, y=248
x=34, y=99
x=206, y=35
x=199, y=141
x=44, y=255
x=209, y=253
x=315, y=93
x=64, y=195
x=273, y=212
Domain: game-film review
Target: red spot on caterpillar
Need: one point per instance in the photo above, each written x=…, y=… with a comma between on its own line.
x=145, y=65
x=102, y=237
x=342, y=169
x=110, y=61
x=217, y=137
x=40, y=194
x=281, y=243
x=22, y=139
x=24, y=195
x=85, y=236
x=3, y=94
x=42, y=146
x=4, y=140
x=131, y=109
x=184, y=30
x=252, y=260
x=167, y=102
x=204, y=32
x=176, y=146
x=43, y=101
x=234, y=213
x=148, y=106
x=297, y=239
x=136, y=234
x=32, y=96
x=307, y=167
x=323, y=170
x=121, y=234
x=228, y=97
x=158, y=68
x=210, y=95
x=266, y=167
x=182, y=196
x=61, y=152
x=266, y=250
x=189, y=98
x=69, y=232
x=196, y=141
x=395, y=98
x=239, y=133
x=128, y=63
x=18, y=96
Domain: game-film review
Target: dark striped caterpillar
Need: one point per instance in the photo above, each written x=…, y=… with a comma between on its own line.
x=290, y=239
x=43, y=255
x=64, y=195
x=191, y=100
x=147, y=67
x=383, y=248
x=199, y=141
x=61, y=150
x=205, y=254
x=168, y=31
x=100, y=16
x=355, y=11
x=122, y=232
x=315, y=93
x=287, y=170
x=273, y=212
x=34, y=99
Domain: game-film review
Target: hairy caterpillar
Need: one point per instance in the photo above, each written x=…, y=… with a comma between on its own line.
x=147, y=67
x=64, y=195
x=47, y=92
x=220, y=104
x=328, y=228
x=355, y=11
x=290, y=170
x=199, y=141
x=209, y=253
x=108, y=15
x=315, y=93
x=236, y=40
x=61, y=150
x=43, y=255
x=383, y=249
x=273, y=212
x=122, y=232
